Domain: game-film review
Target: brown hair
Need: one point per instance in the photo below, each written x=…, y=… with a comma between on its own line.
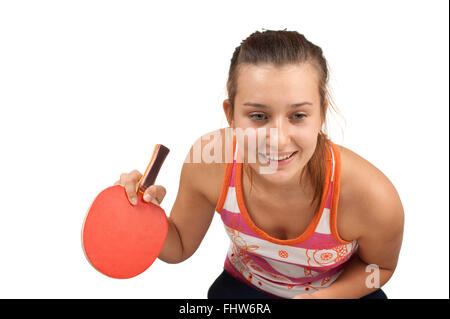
x=280, y=48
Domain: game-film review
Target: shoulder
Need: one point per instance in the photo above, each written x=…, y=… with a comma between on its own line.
x=371, y=200
x=205, y=163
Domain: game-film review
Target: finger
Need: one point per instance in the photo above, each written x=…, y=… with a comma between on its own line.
x=155, y=194
x=130, y=183
x=134, y=175
x=131, y=189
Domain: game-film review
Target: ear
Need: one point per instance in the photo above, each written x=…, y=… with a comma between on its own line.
x=228, y=113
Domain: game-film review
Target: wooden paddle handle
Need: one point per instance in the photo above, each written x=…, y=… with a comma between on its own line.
x=159, y=155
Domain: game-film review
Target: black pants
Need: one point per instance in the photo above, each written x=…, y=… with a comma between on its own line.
x=228, y=287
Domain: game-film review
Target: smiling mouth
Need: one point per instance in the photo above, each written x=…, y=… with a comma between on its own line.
x=278, y=158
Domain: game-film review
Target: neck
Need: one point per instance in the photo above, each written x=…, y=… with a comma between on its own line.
x=281, y=190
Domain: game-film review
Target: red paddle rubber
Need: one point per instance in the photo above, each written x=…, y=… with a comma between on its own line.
x=122, y=240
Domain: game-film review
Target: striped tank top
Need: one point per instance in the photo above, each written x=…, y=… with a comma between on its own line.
x=284, y=268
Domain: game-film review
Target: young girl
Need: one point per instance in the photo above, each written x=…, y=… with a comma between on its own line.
x=322, y=223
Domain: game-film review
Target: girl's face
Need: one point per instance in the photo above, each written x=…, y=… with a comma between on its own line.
x=283, y=98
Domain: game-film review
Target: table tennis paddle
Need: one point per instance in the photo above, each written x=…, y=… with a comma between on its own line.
x=122, y=240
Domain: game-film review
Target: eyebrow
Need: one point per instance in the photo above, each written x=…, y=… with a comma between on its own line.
x=265, y=106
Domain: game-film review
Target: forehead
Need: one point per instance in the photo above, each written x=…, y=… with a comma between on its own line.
x=266, y=81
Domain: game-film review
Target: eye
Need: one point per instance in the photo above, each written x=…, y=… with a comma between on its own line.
x=299, y=116
x=257, y=116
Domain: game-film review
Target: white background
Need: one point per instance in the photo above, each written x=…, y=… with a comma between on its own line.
x=87, y=88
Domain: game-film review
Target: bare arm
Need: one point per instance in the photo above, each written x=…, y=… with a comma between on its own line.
x=195, y=204
x=380, y=221
x=190, y=217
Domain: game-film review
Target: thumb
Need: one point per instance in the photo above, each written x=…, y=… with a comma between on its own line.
x=155, y=194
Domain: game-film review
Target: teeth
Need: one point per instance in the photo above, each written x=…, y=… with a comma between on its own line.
x=277, y=158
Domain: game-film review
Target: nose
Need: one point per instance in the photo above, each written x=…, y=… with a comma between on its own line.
x=280, y=134
x=283, y=133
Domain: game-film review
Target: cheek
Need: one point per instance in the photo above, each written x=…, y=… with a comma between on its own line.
x=247, y=140
x=307, y=142
x=308, y=134
x=306, y=139
x=242, y=122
